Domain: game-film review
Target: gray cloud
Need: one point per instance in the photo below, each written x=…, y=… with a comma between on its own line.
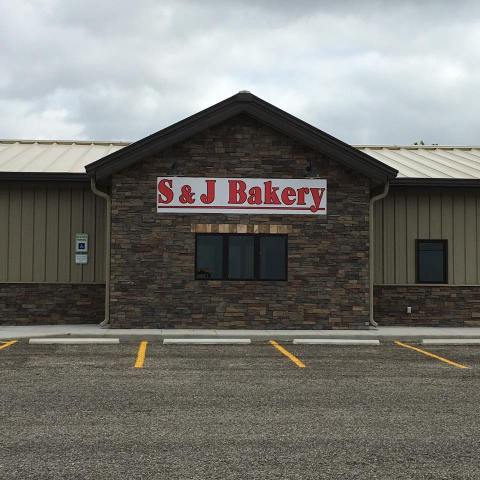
x=367, y=72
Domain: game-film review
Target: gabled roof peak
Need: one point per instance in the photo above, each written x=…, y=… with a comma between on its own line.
x=242, y=102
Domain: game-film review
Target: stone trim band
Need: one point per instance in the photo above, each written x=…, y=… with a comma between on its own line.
x=239, y=228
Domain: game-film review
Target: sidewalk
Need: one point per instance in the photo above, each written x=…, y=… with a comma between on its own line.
x=382, y=333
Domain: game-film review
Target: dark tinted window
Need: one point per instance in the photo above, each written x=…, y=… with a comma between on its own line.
x=209, y=257
x=432, y=261
x=273, y=257
x=241, y=257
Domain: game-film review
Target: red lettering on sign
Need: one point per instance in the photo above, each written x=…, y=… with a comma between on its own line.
x=236, y=192
x=287, y=194
x=208, y=197
x=301, y=192
x=187, y=195
x=271, y=196
x=317, y=195
x=239, y=195
x=165, y=192
x=255, y=196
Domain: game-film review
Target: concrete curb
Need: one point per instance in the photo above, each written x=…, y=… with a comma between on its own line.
x=384, y=334
x=207, y=341
x=333, y=341
x=451, y=341
x=73, y=341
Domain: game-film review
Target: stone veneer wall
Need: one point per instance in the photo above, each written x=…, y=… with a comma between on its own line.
x=153, y=255
x=432, y=305
x=51, y=303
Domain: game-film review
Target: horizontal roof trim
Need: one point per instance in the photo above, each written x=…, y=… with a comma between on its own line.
x=43, y=177
x=436, y=182
x=396, y=182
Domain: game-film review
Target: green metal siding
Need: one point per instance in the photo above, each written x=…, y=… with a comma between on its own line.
x=403, y=216
x=38, y=225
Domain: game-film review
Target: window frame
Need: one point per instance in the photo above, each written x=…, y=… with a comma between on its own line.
x=444, y=242
x=256, y=257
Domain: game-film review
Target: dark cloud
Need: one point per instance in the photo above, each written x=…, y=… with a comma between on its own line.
x=367, y=72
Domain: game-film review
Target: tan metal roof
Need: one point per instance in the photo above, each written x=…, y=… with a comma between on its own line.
x=428, y=161
x=64, y=156
x=52, y=156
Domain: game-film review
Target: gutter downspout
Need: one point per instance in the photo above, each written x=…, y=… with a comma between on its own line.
x=374, y=199
x=106, y=322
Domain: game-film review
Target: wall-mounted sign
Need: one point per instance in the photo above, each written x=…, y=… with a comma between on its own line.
x=251, y=196
x=81, y=258
x=81, y=242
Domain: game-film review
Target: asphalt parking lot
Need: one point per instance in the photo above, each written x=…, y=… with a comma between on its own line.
x=236, y=412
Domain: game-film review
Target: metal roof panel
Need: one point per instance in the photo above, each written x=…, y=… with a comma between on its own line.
x=429, y=161
x=55, y=156
x=68, y=156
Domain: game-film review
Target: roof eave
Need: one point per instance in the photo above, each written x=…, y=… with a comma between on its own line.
x=43, y=177
x=436, y=182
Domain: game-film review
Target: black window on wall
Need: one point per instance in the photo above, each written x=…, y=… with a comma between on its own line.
x=432, y=261
x=241, y=257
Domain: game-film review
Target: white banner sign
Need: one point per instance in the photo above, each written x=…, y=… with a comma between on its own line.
x=251, y=196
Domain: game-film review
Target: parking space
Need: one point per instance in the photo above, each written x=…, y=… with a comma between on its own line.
x=464, y=354
x=387, y=357
x=230, y=411
x=57, y=357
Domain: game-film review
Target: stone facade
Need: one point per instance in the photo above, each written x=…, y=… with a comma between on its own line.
x=432, y=305
x=153, y=255
x=51, y=303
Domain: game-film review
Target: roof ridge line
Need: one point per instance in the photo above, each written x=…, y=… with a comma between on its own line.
x=126, y=143
x=65, y=142
x=415, y=147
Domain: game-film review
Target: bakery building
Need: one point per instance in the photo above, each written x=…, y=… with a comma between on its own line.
x=240, y=216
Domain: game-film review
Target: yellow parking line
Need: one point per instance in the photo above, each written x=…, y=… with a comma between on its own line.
x=7, y=344
x=141, y=354
x=291, y=356
x=430, y=354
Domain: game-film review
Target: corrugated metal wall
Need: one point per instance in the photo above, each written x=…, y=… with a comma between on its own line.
x=37, y=232
x=38, y=223
x=404, y=216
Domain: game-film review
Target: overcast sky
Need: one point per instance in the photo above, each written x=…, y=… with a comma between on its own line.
x=364, y=71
